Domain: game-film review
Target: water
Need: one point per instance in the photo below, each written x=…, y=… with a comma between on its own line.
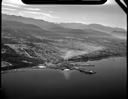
x=109, y=82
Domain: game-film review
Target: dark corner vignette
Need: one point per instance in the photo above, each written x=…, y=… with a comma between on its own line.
x=122, y=5
x=88, y=2
x=79, y=86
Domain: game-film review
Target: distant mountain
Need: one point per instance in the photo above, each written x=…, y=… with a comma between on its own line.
x=23, y=45
x=74, y=25
x=40, y=23
x=29, y=42
x=97, y=27
x=105, y=28
x=48, y=25
x=52, y=28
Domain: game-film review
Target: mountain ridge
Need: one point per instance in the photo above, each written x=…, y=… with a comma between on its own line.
x=28, y=42
x=66, y=25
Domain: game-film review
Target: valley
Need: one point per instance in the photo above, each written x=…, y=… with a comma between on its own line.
x=34, y=42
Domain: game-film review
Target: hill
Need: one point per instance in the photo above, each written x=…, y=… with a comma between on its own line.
x=29, y=42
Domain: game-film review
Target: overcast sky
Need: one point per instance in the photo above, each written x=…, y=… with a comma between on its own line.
x=109, y=14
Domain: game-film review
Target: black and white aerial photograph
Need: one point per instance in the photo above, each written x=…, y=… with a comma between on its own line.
x=63, y=51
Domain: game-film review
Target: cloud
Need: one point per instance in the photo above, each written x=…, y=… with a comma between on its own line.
x=34, y=9
x=10, y=9
x=37, y=15
x=41, y=14
x=15, y=2
x=25, y=11
x=10, y=5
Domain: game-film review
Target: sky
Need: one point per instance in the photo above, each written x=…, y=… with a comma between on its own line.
x=108, y=14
